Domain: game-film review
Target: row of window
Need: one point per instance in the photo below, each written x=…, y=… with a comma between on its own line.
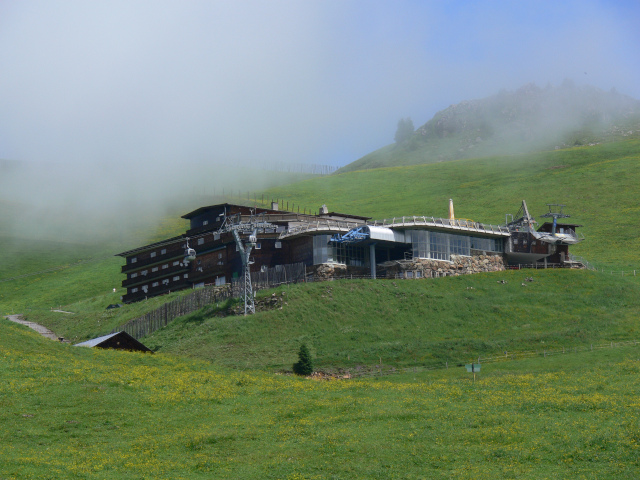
x=424, y=244
x=258, y=246
x=154, y=269
x=216, y=236
x=151, y=255
x=440, y=246
x=145, y=288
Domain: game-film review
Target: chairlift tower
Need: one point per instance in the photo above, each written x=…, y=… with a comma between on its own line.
x=237, y=226
x=555, y=215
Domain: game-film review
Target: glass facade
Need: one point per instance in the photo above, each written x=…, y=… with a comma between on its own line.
x=487, y=244
x=424, y=244
x=352, y=255
x=323, y=251
x=440, y=246
x=348, y=254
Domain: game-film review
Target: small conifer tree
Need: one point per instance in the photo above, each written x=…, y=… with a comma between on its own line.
x=304, y=365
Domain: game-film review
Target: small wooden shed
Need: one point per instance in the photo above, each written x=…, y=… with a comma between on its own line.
x=118, y=341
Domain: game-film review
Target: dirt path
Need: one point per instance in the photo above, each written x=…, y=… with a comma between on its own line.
x=44, y=331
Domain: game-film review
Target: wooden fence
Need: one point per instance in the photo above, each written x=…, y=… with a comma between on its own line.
x=160, y=317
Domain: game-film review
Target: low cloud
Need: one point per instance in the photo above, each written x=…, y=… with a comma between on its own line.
x=128, y=96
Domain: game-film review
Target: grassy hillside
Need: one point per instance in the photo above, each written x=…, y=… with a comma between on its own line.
x=40, y=274
x=72, y=412
x=355, y=324
x=598, y=184
x=80, y=413
x=417, y=151
x=530, y=119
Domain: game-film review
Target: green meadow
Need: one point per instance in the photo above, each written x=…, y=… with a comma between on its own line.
x=72, y=412
x=355, y=325
x=215, y=401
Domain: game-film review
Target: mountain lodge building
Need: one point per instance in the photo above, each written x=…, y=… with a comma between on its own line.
x=333, y=244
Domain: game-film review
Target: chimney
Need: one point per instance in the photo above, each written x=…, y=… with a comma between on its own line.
x=324, y=210
x=451, y=216
x=274, y=206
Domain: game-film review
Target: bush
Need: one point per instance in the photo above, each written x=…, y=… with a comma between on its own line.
x=304, y=365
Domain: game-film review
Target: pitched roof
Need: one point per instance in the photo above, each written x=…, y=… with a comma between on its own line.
x=117, y=340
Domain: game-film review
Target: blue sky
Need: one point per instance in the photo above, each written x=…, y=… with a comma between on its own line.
x=135, y=82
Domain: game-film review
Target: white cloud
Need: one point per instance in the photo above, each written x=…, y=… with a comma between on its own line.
x=164, y=82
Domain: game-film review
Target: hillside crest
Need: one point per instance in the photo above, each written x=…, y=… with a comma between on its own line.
x=528, y=119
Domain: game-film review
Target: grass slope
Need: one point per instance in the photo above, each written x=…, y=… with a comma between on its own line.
x=353, y=324
x=597, y=183
x=72, y=412
x=51, y=273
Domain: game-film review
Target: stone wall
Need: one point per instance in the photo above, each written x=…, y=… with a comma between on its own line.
x=459, y=265
x=416, y=268
x=327, y=271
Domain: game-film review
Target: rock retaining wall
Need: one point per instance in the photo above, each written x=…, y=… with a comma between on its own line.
x=459, y=265
x=327, y=271
x=416, y=268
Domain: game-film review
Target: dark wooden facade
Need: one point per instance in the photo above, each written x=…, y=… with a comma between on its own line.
x=160, y=268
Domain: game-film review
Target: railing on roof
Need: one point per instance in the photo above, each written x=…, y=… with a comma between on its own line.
x=320, y=226
x=456, y=224
x=413, y=221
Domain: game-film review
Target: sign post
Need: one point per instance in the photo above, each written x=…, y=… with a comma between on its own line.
x=473, y=368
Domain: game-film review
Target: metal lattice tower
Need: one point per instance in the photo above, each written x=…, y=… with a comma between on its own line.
x=245, y=255
x=238, y=227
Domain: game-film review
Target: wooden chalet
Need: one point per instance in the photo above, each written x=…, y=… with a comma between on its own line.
x=162, y=267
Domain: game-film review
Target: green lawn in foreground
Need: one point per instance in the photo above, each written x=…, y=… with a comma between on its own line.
x=71, y=412
x=351, y=324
